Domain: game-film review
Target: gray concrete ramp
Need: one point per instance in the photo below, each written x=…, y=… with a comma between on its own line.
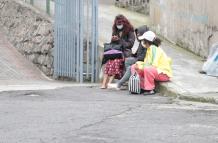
x=17, y=73
x=13, y=66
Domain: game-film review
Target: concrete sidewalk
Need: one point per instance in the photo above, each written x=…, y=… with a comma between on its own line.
x=187, y=83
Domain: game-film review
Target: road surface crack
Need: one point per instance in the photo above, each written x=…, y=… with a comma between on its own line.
x=130, y=109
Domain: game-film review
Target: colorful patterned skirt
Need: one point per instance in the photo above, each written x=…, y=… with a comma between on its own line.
x=114, y=68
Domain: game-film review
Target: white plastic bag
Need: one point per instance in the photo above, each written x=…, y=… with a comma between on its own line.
x=135, y=46
x=211, y=65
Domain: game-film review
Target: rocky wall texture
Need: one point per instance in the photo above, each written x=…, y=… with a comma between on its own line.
x=30, y=32
x=191, y=24
x=141, y=6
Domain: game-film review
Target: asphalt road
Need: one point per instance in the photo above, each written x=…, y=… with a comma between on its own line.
x=91, y=115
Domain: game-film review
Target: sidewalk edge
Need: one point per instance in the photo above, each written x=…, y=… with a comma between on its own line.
x=179, y=93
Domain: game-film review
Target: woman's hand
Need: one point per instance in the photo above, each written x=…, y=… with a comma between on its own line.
x=115, y=38
x=136, y=67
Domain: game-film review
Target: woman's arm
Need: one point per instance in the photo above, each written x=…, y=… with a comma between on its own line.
x=141, y=52
x=128, y=43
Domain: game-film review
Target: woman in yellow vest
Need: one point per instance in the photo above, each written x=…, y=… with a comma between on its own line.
x=156, y=65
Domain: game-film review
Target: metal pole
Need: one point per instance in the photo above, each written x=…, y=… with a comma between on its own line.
x=67, y=38
x=58, y=39
x=74, y=38
x=56, y=42
x=77, y=41
x=64, y=45
x=87, y=43
x=81, y=16
x=96, y=41
x=71, y=40
x=93, y=45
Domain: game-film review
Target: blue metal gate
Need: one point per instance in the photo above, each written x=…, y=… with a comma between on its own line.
x=76, y=40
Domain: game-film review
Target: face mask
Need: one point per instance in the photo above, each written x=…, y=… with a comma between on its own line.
x=143, y=44
x=119, y=27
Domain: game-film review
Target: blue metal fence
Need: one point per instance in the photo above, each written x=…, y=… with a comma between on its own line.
x=76, y=40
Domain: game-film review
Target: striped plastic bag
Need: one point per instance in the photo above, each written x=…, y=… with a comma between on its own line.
x=134, y=84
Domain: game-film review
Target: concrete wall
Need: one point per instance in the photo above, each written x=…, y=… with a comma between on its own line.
x=192, y=24
x=30, y=32
x=43, y=5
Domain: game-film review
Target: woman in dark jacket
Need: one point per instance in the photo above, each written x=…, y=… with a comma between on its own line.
x=140, y=53
x=123, y=34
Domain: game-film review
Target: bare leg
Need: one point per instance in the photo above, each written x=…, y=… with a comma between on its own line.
x=105, y=81
x=111, y=78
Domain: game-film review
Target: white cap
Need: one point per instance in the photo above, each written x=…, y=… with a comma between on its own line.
x=149, y=35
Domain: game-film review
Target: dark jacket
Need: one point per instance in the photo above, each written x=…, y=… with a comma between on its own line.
x=127, y=42
x=141, y=52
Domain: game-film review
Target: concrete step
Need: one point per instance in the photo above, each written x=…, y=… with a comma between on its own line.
x=187, y=83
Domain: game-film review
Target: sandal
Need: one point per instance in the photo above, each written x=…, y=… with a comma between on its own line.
x=202, y=72
x=149, y=92
x=113, y=86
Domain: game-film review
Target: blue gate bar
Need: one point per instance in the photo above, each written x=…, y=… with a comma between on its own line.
x=87, y=40
x=93, y=44
x=77, y=40
x=70, y=53
x=97, y=67
x=81, y=16
x=74, y=38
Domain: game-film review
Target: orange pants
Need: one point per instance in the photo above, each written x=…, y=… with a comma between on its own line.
x=148, y=76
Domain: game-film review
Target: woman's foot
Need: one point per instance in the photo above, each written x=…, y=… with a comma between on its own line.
x=113, y=86
x=149, y=92
x=103, y=87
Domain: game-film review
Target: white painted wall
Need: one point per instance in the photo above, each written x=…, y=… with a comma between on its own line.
x=193, y=24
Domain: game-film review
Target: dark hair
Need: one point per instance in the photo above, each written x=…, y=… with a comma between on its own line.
x=157, y=42
x=127, y=27
x=141, y=30
x=149, y=42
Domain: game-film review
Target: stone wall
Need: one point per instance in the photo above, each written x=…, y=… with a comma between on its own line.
x=192, y=24
x=141, y=6
x=30, y=32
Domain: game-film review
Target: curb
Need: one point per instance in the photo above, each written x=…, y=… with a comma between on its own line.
x=42, y=86
x=166, y=89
